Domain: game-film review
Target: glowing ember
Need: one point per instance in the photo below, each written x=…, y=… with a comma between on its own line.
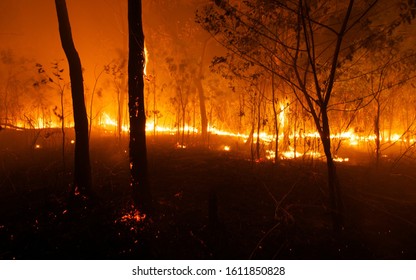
x=133, y=216
x=226, y=148
x=72, y=141
x=37, y=146
x=338, y=159
x=179, y=146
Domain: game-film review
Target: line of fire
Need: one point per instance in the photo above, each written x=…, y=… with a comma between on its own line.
x=273, y=130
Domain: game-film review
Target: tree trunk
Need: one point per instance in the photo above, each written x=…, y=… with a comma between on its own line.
x=276, y=123
x=138, y=152
x=258, y=128
x=333, y=183
x=198, y=83
x=202, y=108
x=377, y=133
x=82, y=168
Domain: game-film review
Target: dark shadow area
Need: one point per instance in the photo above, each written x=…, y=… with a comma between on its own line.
x=208, y=204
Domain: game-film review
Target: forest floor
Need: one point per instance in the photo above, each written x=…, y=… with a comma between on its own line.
x=207, y=204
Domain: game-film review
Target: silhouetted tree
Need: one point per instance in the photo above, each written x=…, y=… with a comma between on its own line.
x=138, y=152
x=308, y=41
x=82, y=167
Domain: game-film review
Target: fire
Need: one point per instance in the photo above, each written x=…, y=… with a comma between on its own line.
x=338, y=159
x=180, y=146
x=146, y=59
x=133, y=216
x=291, y=154
x=108, y=121
x=270, y=155
x=227, y=148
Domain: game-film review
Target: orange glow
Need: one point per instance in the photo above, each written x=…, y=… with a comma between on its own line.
x=270, y=155
x=180, y=146
x=133, y=216
x=108, y=121
x=146, y=59
x=338, y=159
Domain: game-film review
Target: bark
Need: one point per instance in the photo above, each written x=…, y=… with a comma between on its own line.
x=137, y=148
x=337, y=209
x=82, y=168
x=202, y=108
x=201, y=95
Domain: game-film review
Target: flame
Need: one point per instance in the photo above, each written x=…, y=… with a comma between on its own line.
x=134, y=215
x=291, y=154
x=338, y=159
x=146, y=59
x=180, y=146
x=270, y=155
x=108, y=121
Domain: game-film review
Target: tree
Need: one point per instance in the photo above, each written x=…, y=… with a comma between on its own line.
x=58, y=83
x=117, y=72
x=137, y=148
x=82, y=168
x=308, y=42
x=184, y=41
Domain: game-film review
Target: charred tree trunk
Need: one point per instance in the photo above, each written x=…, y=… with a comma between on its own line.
x=137, y=148
x=333, y=183
x=82, y=168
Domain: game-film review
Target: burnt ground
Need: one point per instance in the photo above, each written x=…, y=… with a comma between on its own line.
x=207, y=204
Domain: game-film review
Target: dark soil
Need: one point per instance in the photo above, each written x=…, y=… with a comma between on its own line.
x=207, y=204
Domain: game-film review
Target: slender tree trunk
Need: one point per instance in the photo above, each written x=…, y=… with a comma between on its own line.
x=138, y=152
x=183, y=126
x=82, y=168
x=258, y=128
x=377, y=132
x=63, y=132
x=276, y=123
x=201, y=95
x=333, y=183
x=202, y=108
